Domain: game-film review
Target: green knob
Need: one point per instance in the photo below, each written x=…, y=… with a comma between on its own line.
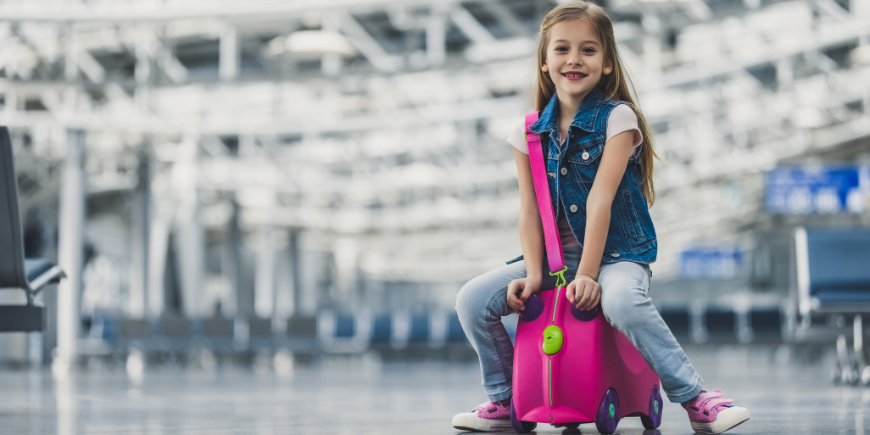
x=656, y=406
x=612, y=410
x=552, y=339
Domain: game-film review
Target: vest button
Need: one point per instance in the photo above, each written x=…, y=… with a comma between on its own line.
x=573, y=208
x=564, y=171
x=614, y=255
x=585, y=155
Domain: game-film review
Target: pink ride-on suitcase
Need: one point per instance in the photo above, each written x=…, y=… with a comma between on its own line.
x=572, y=366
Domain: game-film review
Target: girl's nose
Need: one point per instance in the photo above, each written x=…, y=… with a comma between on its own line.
x=574, y=60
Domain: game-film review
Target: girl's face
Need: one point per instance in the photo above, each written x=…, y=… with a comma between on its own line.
x=575, y=58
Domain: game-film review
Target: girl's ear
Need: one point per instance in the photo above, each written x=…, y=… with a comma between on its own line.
x=545, y=67
x=608, y=67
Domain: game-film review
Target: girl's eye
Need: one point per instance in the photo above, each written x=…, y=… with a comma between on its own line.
x=589, y=50
x=561, y=48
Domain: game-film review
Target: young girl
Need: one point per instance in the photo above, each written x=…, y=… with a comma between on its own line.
x=599, y=167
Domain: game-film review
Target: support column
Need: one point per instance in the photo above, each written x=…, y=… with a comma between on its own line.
x=70, y=67
x=295, y=257
x=228, y=68
x=136, y=303
x=243, y=294
x=652, y=43
x=346, y=257
x=330, y=63
x=70, y=248
x=189, y=235
x=436, y=34
x=158, y=244
x=264, y=280
x=784, y=73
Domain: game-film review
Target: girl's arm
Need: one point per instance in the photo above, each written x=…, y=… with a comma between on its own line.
x=584, y=291
x=531, y=236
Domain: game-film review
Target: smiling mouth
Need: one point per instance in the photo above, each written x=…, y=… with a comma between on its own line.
x=574, y=75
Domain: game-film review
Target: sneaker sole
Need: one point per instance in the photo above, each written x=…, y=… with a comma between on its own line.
x=471, y=422
x=725, y=420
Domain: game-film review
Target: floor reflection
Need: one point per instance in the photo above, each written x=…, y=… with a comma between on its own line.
x=364, y=395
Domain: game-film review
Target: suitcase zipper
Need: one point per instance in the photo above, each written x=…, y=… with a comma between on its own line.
x=556, y=303
x=550, y=379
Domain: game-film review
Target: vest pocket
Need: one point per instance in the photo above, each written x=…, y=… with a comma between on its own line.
x=586, y=153
x=629, y=217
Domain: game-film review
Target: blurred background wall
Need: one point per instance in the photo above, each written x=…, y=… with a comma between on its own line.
x=335, y=170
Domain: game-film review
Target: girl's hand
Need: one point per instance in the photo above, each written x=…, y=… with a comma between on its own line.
x=584, y=293
x=519, y=291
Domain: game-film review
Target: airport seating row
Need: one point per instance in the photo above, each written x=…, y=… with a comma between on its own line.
x=699, y=323
x=332, y=332
x=29, y=275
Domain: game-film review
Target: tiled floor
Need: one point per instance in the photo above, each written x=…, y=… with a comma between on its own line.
x=785, y=391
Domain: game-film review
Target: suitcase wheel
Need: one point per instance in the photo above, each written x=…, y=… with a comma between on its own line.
x=608, y=412
x=521, y=426
x=654, y=419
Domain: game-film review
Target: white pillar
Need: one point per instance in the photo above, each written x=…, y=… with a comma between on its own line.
x=72, y=214
x=436, y=34
x=295, y=257
x=784, y=73
x=330, y=63
x=139, y=242
x=264, y=278
x=70, y=67
x=652, y=46
x=346, y=255
x=158, y=243
x=228, y=68
x=189, y=230
x=860, y=9
x=244, y=300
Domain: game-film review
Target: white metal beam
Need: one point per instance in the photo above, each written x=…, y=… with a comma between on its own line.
x=367, y=45
x=470, y=26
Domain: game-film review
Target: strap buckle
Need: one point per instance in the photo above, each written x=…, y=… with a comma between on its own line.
x=560, y=281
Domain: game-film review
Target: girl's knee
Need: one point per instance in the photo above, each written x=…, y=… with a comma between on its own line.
x=621, y=296
x=473, y=298
x=616, y=306
x=465, y=298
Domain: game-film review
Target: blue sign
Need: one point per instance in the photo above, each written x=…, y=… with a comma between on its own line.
x=711, y=263
x=818, y=189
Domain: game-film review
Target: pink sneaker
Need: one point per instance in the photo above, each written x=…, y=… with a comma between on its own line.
x=486, y=417
x=712, y=415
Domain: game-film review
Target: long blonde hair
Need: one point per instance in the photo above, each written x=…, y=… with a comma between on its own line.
x=616, y=85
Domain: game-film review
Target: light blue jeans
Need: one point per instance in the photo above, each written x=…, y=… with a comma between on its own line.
x=625, y=300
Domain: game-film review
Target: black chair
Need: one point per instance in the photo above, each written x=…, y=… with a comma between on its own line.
x=301, y=334
x=16, y=272
x=833, y=279
x=260, y=334
x=218, y=333
x=678, y=320
x=766, y=323
x=721, y=324
x=832, y=270
x=382, y=329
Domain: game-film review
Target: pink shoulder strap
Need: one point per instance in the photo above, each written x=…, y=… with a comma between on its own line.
x=552, y=241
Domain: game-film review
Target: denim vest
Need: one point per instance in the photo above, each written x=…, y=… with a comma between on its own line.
x=571, y=171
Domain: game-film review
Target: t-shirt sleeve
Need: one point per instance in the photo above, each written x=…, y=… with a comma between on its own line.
x=622, y=118
x=518, y=139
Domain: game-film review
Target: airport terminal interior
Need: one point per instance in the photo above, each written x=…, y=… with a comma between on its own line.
x=254, y=217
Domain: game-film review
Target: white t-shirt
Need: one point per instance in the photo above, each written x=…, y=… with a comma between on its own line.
x=621, y=119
